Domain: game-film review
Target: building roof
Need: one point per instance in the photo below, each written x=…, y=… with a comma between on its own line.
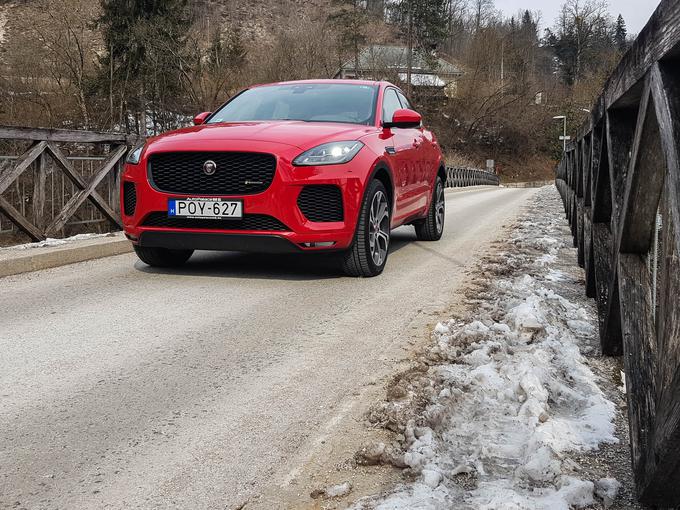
x=375, y=57
x=423, y=80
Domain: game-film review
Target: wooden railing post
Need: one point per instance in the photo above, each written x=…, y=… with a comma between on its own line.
x=39, y=197
x=620, y=184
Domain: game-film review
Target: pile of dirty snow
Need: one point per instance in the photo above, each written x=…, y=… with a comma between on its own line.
x=501, y=399
x=4, y=18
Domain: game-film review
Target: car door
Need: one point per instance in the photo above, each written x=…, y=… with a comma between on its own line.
x=400, y=150
x=420, y=188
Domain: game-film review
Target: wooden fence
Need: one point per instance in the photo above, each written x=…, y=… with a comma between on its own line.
x=620, y=182
x=457, y=177
x=58, y=182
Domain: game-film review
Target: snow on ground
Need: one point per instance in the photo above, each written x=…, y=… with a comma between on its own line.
x=56, y=242
x=503, y=399
x=4, y=18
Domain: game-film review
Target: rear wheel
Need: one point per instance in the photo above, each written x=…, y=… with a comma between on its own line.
x=432, y=227
x=368, y=254
x=162, y=257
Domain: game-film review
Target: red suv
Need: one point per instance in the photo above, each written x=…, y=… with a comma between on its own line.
x=304, y=166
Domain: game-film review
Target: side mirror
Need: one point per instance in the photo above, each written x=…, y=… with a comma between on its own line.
x=200, y=118
x=404, y=118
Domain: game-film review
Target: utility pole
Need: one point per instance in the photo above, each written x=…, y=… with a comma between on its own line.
x=409, y=55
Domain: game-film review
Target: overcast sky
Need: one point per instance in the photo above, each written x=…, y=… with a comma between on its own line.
x=635, y=12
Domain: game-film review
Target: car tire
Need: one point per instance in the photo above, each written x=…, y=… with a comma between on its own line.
x=370, y=248
x=162, y=257
x=432, y=227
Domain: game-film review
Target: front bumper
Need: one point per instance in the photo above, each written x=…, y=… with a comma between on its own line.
x=278, y=201
x=260, y=243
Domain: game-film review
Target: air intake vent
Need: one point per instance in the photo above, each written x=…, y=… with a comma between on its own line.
x=129, y=198
x=248, y=222
x=321, y=203
x=233, y=173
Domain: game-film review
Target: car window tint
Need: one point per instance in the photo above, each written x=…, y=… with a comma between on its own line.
x=404, y=101
x=390, y=105
x=309, y=102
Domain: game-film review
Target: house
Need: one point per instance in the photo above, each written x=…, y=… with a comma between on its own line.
x=380, y=62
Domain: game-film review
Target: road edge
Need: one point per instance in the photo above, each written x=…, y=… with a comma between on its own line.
x=28, y=261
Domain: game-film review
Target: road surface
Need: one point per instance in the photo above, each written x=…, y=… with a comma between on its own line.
x=127, y=387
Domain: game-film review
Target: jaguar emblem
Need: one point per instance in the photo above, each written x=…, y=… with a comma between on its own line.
x=209, y=167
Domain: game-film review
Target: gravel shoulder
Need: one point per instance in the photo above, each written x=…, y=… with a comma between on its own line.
x=411, y=437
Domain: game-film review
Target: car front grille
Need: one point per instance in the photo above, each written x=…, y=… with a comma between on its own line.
x=321, y=203
x=129, y=198
x=248, y=222
x=236, y=173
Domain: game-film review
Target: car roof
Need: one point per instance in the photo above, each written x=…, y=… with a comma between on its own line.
x=327, y=81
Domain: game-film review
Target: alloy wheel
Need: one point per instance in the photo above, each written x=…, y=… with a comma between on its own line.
x=379, y=228
x=439, y=208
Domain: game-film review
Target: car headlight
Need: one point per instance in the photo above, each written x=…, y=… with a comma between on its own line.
x=134, y=155
x=334, y=153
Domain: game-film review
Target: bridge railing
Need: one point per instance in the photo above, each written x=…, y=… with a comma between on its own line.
x=59, y=182
x=458, y=177
x=620, y=183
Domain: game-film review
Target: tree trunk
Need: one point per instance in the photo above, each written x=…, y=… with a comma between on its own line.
x=409, y=55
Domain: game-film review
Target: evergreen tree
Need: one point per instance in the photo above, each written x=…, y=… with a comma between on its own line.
x=426, y=20
x=519, y=48
x=350, y=19
x=621, y=34
x=145, y=44
x=529, y=26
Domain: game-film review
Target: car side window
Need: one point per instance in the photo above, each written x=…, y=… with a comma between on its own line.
x=404, y=101
x=390, y=105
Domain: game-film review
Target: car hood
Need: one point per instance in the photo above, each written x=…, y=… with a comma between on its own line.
x=303, y=135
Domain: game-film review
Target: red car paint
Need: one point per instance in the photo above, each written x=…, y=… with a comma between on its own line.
x=411, y=158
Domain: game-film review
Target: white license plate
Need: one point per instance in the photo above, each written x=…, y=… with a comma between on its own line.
x=215, y=208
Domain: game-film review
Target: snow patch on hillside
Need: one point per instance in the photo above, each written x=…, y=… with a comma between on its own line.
x=4, y=18
x=510, y=395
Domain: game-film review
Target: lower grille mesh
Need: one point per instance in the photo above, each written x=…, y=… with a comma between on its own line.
x=129, y=198
x=321, y=203
x=248, y=222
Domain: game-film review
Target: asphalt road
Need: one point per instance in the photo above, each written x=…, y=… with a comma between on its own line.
x=127, y=387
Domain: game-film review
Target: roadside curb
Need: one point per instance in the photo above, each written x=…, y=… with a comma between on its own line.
x=528, y=184
x=36, y=259
x=465, y=189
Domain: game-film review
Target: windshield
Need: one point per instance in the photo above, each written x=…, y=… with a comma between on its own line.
x=309, y=102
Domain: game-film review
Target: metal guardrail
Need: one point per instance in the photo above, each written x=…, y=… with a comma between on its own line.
x=620, y=183
x=458, y=177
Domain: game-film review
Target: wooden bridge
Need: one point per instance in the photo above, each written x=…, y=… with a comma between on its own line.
x=620, y=182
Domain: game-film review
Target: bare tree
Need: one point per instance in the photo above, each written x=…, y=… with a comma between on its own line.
x=582, y=21
x=63, y=28
x=482, y=12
